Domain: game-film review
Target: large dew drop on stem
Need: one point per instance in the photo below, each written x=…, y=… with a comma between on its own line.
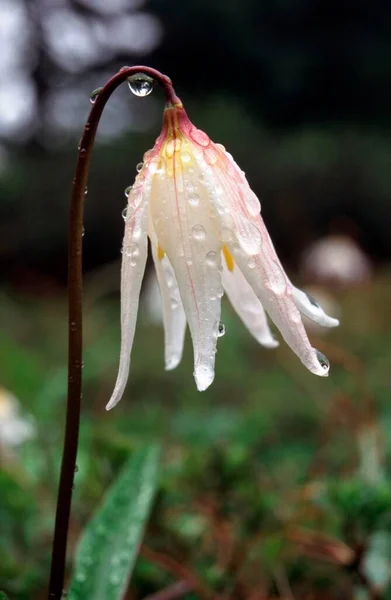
x=140, y=85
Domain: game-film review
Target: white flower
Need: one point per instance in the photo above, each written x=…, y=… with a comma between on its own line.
x=14, y=428
x=337, y=259
x=207, y=235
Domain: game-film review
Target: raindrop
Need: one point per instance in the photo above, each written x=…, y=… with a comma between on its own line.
x=174, y=303
x=251, y=263
x=220, y=329
x=73, y=326
x=127, y=190
x=140, y=84
x=193, y=199
x=186, y=157
x=190, y=186
x=139, y=166
x=125, y=213
x=323, y=360
x=211, y=259
x=220, y=291
x=198, y=232
x=86, y=191
x=95, y=94
x=83, y=231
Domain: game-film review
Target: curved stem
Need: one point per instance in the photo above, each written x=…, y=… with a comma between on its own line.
x=68, y=463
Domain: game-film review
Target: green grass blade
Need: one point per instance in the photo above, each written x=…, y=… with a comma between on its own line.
x=108, y=547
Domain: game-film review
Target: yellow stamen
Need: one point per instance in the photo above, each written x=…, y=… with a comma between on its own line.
x=160, y=252
x=228, y=259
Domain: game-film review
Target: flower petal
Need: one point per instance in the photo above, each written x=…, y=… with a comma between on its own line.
x=246, y=304
x=188, y=234
x=267, y=278
x=174, y=318
x=134, y=257
x=308, y=306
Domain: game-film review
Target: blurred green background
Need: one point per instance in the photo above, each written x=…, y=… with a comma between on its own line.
x=274, y=483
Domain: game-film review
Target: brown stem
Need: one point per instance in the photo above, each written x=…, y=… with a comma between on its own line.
x=68, y=463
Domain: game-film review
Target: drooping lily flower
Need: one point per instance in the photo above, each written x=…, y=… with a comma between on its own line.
x=207, y=236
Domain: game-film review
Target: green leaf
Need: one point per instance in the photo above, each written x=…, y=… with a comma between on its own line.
x=3, y=596
x=109, y=544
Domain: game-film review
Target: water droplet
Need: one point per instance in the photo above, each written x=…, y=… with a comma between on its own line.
x=323, y=360
x=186, y=157
x=95, y=94
x=140, y=84
x=174, y=303
x=76, y=469
x=198, y=232
x=83, y=153
x=251, y=263
x=73, y=326
x=193, y=199
x=127, y=191
x=139, y=166
x=83, y=231
x=125, y=213
x=81, y=577
x=211, y=259
x=86, y=191
x=220, y=291
x=220, y=329
x=200, y=137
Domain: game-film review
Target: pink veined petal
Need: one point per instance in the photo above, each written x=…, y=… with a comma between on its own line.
x=189, y=236
x=134, y=257
x=174, y=319
x=267, y=278
x=231, y=198
x=247, y=305
x=311, y=309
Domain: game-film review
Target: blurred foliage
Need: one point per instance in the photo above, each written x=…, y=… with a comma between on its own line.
x=273, y=484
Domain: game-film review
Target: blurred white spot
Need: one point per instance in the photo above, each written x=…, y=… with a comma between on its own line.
x=15, y=48
x=14, y=427
x=139, y=33
x=17, y=105
x=70, y=40
x=337, y=259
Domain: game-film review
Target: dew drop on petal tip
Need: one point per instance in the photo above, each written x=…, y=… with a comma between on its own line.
x=125, y=213
x=127, y=191
x=141, y=85
x=323, y=360
x=139, y=166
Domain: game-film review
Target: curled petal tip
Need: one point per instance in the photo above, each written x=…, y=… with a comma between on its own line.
x=311, y=309
x=268, y=342
x=204, y=376
x=322, y=367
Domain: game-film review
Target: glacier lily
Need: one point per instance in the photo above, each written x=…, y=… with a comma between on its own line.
x=207, y=236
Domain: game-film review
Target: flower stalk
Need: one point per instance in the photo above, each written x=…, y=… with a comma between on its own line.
x=75, y=333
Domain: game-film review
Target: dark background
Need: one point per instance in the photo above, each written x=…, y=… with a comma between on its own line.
x=298, y=91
